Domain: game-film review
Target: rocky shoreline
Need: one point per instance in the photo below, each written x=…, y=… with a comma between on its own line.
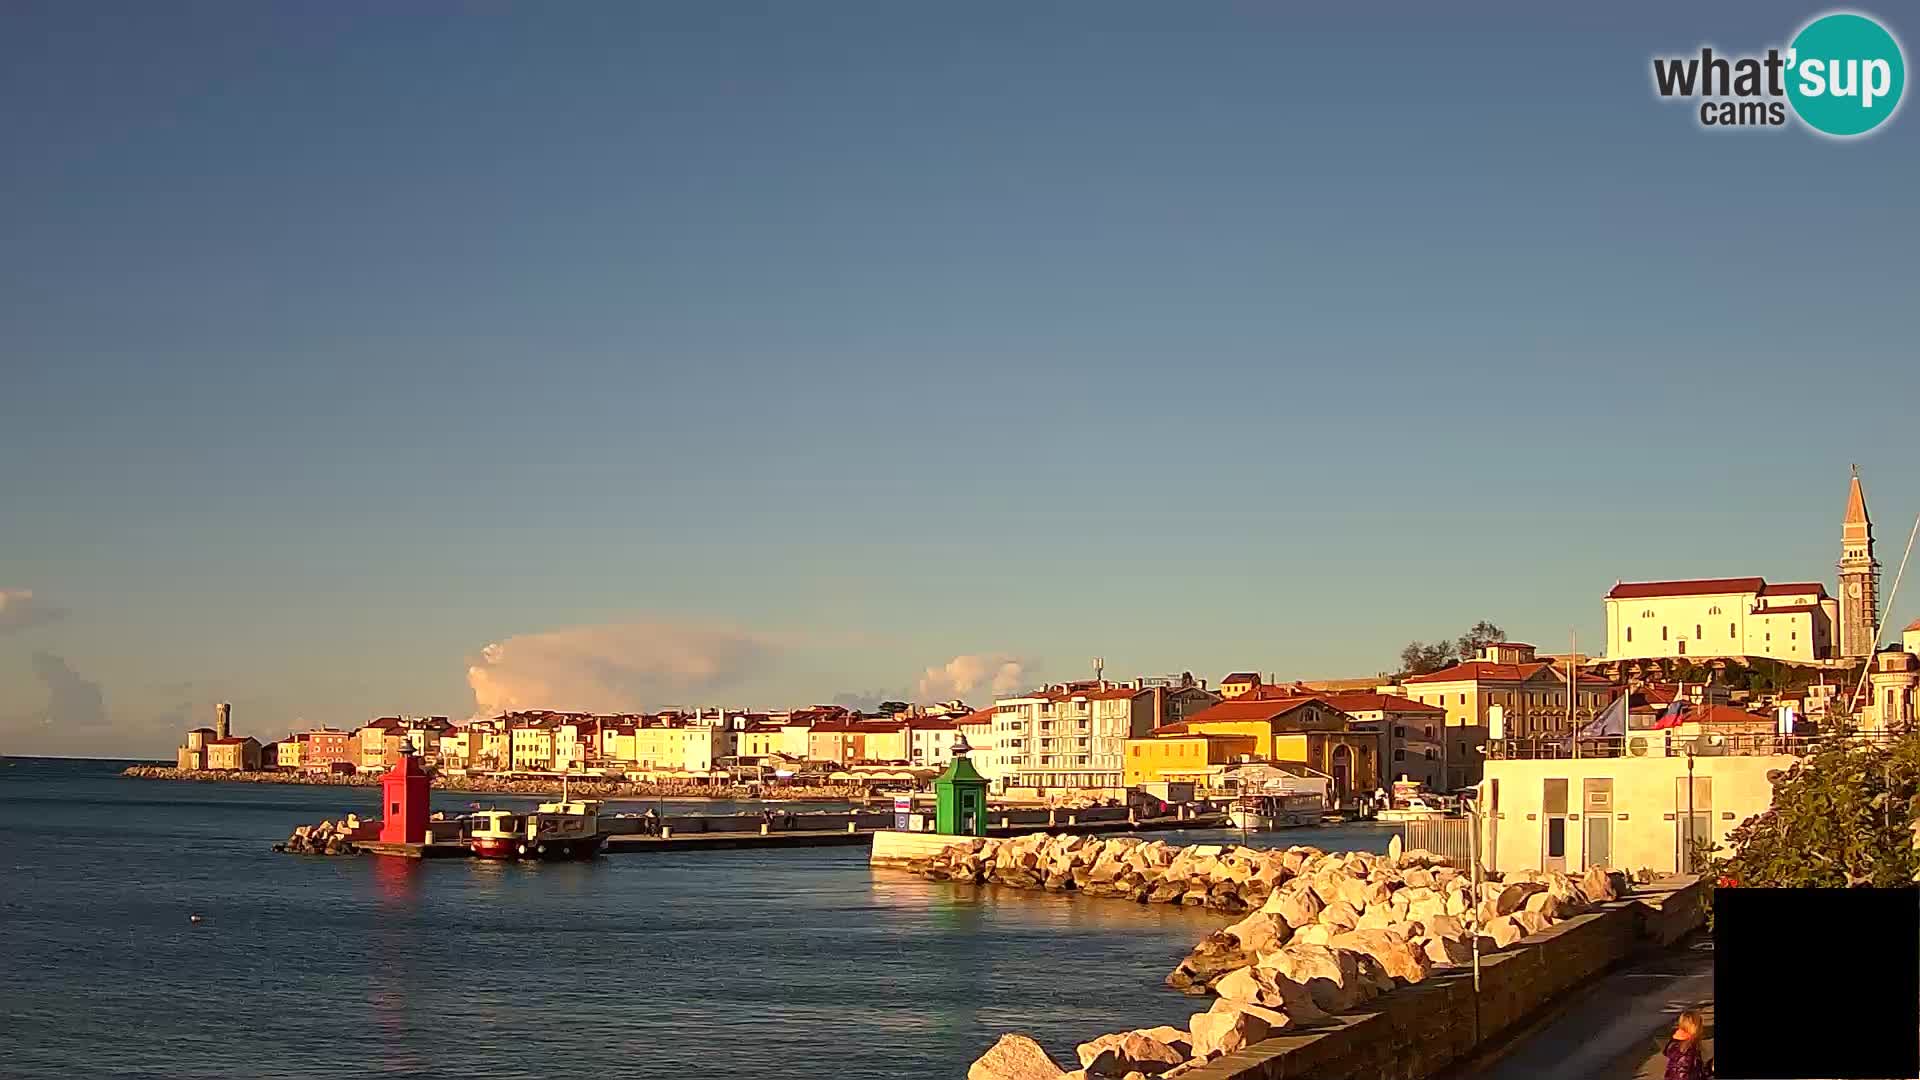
x=485, y=785
x=1326, y=933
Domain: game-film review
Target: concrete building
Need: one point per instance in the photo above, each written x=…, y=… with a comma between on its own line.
x=977, y=728
x=1636, y=810
x=1720, y=617
x=1892, y=682
x=530, y=744
x=1531, y=694
x=1158, y=702
x=1068, y=736
x=930, y=741
x=290, y=752
x=192, y=753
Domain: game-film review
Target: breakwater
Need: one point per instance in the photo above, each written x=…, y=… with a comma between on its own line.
x=1325, y=935
x=530, y=788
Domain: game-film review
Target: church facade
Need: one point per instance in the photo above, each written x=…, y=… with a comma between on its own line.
x=1752, y=617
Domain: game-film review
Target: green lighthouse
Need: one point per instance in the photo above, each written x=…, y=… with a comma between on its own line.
x=960, y=796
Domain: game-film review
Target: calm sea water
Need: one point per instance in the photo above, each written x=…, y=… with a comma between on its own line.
x=795, y=964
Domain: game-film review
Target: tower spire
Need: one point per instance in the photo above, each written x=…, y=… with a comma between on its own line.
x=1859, y=577
x=1856, y=502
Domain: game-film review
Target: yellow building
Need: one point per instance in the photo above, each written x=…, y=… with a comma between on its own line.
x=760, y=740
x=1174, y=758
x=679, y=749
x=530, y=745
x=1303, y=730
x=290, y=753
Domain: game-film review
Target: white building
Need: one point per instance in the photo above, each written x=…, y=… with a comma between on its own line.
x=1721, y=617
x=1067, y=736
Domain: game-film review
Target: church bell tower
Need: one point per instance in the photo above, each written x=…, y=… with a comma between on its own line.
x=1859, y=577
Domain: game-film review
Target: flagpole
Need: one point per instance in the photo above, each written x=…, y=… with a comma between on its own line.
x=1573, y=658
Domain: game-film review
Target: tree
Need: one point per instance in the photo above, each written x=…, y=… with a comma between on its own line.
x=1478, y=636
x=1845, y=815
x=893, y=708
x=1420, y=658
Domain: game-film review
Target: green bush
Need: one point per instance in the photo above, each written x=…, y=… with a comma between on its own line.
x=1842, y=816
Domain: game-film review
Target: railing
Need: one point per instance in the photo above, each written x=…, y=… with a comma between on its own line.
x=1674, y=744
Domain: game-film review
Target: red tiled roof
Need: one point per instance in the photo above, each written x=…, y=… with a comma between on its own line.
x=978, y=716
x=1796, y=589
x=1788, y=609
x=1242, y=676
x=1722, y=714
x=1912, y=626
x=1247, y=709
x=1373, y=702
x=1634, y=590
x=929, y=724
x=1483, y=671
x=232, y=740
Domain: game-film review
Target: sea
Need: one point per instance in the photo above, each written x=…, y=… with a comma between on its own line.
x=796, y=964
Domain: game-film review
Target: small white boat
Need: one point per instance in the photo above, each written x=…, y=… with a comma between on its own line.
x=1416, y=809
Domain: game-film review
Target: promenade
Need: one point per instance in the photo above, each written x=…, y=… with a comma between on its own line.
x=1614, y=1029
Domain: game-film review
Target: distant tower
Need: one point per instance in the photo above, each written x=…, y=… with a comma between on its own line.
x=1099, y=669
x=222, y=717
x=1859, y=577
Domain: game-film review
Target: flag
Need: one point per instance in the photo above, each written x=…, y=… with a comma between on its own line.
x=1672, y=716
x=1612, y=722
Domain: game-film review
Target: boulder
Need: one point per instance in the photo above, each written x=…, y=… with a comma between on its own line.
x=1331, y=976
x=1261, y=932
x=1215, y=955
x=1418, y=877
x=1504, y=931
x=1441, y=950
x=1549, y=905
x=1395, y=954
x=1014, y=1057
x=1512, y=898
x=1597, y=885
x=1216, y=1033
x=1315, y=934
x=1444, y=926
x=1297, y=907
x=1276, y=1019
x=1378, y=917
x=1128, y=1051
x=1340, y=914
x=1356, y=893
x=1269, y=988
x=1531, y=921
x=1172, y=1036
x=1394, y=848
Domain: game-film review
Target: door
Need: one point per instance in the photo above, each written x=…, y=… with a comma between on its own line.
x=1553, y=825
x=1342, y=774
x=1693, y=820
x=1596, y=810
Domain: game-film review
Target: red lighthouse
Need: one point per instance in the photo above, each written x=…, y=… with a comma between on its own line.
x=404, y=791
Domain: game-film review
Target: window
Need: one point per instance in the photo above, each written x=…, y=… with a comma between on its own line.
x=1399, y=755
x=1714, y=610
x=1730, y=630
x=1463, y=699
x=1697, y=635
x=1663, y=633
x=1629, y=633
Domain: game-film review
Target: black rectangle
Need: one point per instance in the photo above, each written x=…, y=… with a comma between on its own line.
x=1816, y=983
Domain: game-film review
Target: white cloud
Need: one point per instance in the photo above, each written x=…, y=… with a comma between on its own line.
x=621, y=667
x=995, y=673
x=19, y=610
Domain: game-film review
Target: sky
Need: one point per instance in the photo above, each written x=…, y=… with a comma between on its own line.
x=362, y=360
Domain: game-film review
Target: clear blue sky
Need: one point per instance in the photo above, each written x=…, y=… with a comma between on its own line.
x=341, y=341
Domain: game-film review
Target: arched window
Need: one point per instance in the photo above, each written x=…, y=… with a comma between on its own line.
x=1697, y=635
x=1714, y=610
x=1663, y=633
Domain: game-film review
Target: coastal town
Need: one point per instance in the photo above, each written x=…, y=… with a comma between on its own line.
x=1702, y=684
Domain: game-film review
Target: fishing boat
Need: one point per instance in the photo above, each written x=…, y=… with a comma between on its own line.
x=555, y=831
x=1266, y=811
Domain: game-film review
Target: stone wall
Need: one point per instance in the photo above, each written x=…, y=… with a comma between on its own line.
x=1418, y=1030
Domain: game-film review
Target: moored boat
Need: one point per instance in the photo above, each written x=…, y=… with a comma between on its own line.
x=555, y=831
x=1268, y=811
x=1415, y=809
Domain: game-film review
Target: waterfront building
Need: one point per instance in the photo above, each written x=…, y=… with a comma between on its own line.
x=233, y=754
x=977, y=728
x=289, y=753
x=681, y=749
x=758, y=740
x=1068, y=736
x=1531, y=694
x=848, y=740
x=530, y=743
x=192, y=753
x=1409, y=732
x=930, y=741
x=328, y=749
x=1304, y=730
x=1184, y=758
x=1640, y=802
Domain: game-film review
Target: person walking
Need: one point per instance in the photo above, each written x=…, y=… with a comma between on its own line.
x=1684, y=1059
